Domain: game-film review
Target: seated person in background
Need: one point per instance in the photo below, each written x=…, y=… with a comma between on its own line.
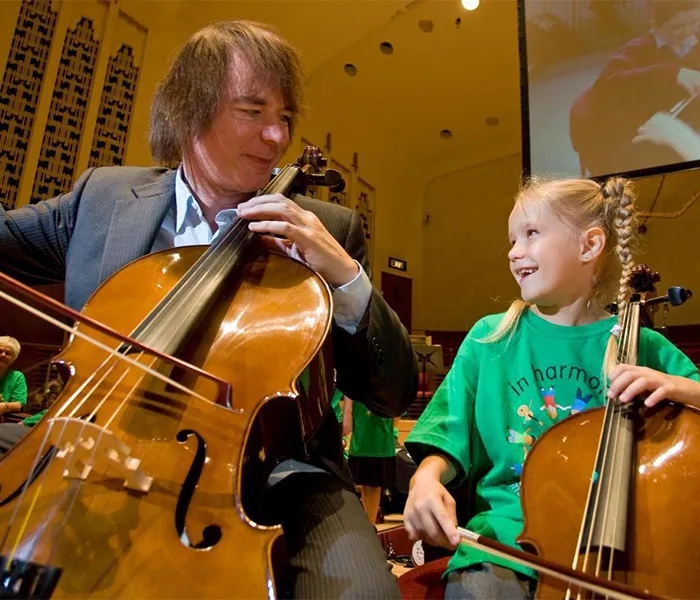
x=13, y=385
x=11, y=433
x=649, y=74
x=372, y=454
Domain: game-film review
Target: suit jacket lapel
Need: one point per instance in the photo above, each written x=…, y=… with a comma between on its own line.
x=135, y=222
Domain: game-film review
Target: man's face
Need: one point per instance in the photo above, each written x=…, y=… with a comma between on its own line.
x=7, y=356
x=679, y=27
x=247, y=137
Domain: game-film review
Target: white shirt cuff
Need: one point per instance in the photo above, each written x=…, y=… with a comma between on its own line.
x=351, y=301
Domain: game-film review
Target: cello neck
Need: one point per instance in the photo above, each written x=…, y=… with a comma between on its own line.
x=177, y=314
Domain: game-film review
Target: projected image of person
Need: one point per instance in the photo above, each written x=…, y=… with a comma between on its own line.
x=667, y=130
x=646, y=95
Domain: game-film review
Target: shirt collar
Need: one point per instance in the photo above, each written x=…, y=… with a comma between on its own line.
x=184, y=201
x=686, y=47
x=186, y=207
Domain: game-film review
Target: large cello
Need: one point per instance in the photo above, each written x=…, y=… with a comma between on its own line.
x=611, y=496
x=183, y=391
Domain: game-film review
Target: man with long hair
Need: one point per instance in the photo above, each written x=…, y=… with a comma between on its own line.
x=224, y=116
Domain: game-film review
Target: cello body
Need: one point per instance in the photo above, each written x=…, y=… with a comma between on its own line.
x=136, y=488
x=662, y=552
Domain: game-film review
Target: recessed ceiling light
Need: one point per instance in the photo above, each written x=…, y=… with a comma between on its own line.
x=425, y=25
x=386, y=48
x=492, y=121
x=350, y=69
x=446, y=134
x=470, y=4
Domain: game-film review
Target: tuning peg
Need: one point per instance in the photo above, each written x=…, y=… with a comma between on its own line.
x=678, y=295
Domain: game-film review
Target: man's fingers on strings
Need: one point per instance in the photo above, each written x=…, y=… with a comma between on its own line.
x=273, y=212
x=264, y=199
x=276, y=244
x=275, y=207
x=283, y=228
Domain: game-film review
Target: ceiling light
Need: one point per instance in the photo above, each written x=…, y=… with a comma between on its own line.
x=425, y=25
x=470, y=4
x=386, y=48
x=350, y=69
x=445, y=134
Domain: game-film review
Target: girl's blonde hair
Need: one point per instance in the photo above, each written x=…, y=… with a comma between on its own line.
x=11, y=343
x=582, y=204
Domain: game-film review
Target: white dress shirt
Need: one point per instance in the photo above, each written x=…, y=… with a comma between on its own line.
x=680, y=51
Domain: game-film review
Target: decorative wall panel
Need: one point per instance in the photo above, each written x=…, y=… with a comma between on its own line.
x=59, y=149
x=116, y=107
x=20, y=90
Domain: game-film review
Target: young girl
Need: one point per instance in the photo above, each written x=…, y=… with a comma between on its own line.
x=518, y=373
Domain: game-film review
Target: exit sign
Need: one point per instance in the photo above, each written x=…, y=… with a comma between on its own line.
x=397, y=263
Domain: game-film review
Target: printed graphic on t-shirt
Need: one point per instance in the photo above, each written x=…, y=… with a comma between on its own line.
x=542, y=398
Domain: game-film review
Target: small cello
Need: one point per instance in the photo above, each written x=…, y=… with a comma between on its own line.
x=611, y=496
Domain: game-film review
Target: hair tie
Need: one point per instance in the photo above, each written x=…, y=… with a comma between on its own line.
x=616, y=330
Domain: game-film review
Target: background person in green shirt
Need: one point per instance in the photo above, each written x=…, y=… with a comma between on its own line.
x=13, y=385
x=372, y=454
x=518, y=373
x=11, y=433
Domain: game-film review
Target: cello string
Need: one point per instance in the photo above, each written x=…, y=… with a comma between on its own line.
x=219, y=259
x=42, y=446
x=90, y=461
x=611, y=464
x=103, y=429
x=59, y=440
x=112, y=351
x=614, y=468
x=114, y=354
x=71, y=494
x=607, y=478
x=593, y=505
x=632, y=326
x=615, y=427
x=80, y=482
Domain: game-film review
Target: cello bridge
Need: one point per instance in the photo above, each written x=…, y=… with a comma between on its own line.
x=86, y=447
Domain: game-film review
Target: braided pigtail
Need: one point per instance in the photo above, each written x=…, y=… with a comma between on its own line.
x=619, y=197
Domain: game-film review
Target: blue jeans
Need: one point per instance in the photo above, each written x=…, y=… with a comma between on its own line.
x=486, y=581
